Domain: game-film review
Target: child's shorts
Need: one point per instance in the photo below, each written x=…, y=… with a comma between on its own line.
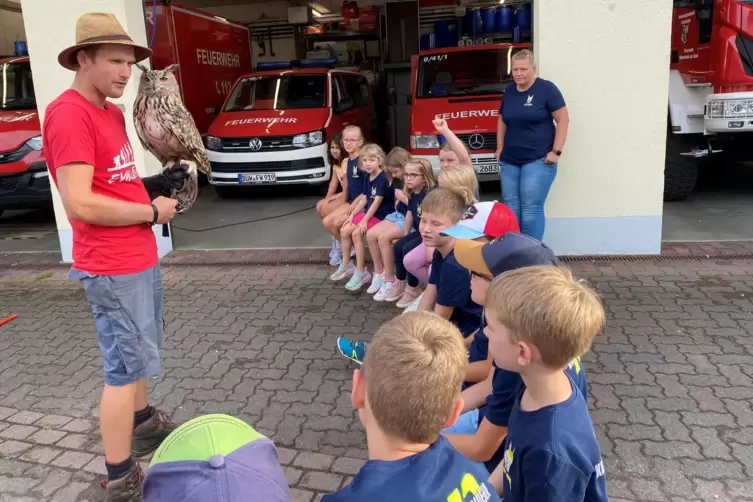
x=397, y=218
x=359, y=217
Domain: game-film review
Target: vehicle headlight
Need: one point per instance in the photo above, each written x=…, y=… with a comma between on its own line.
x=308, y=139
x=35, y=143
x=424, y=142
x=213, y=143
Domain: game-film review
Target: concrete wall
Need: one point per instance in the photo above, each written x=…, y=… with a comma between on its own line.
x=51, y=27
x=611, y=61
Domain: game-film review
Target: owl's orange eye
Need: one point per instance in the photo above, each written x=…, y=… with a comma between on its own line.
x=163, y=79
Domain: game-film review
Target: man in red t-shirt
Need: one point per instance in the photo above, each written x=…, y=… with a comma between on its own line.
x=114, y=247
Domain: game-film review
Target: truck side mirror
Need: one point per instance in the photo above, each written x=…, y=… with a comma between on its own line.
x=344, y=106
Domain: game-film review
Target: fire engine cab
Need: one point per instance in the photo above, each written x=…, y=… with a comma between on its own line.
x=710, y=114
x=463, y=85
x=275, y=125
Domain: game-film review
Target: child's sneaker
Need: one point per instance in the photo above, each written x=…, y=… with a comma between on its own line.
x=355, y=350
x=335, y=253
x=376, y=284
x=390, y=292
x=414, y=305
x=358, y=280
x=343, y=271
x=409, y=296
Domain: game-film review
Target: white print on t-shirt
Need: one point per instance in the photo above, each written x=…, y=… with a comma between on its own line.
x=599, y=468
x=124, y=167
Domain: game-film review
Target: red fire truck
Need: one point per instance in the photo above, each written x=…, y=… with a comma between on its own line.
x=710, y=112
x=212, y=54
x=463, y=85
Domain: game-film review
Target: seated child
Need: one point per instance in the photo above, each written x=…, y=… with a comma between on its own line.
x=367, y=212
x=538, y=320
x=419, y=179
x=211, y=455
x=482, y=427
x=406, y=393
x=380, y=237
x=335, y=195
x=462, y=180
x=353, y=185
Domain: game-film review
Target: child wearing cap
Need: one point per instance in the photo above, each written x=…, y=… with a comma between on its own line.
x=479, y=432
x=538, y=320
x=406, y=392
x=444, y=215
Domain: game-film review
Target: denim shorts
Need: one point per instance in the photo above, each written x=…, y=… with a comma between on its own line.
x=396, y=218
x=128, y=314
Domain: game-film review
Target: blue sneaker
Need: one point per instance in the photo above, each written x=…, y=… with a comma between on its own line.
x=355, y=350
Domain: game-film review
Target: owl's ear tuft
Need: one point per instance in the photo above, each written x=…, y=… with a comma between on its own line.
x=171, y=68
x=142, y=67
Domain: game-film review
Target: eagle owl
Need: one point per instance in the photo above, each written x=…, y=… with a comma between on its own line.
x=167, y=130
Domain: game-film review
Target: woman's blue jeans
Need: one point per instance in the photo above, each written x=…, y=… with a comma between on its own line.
x=524, y=190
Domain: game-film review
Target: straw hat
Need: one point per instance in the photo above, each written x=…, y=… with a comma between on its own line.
x=95, y=28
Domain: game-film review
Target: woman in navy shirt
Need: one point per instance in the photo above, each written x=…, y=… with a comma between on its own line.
x=529, y=144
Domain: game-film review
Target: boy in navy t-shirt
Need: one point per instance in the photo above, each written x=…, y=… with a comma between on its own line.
x=406, y=392
x=479, y=432
x=538, y=320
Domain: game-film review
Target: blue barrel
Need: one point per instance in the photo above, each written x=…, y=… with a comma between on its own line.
x=428, y=41
x=505, y=19
x=472, y=22
x=489, y=19
x=445, y=33
x=523, y=17
x=19, y=48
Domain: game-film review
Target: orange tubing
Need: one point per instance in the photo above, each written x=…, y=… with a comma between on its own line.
x=8, y=319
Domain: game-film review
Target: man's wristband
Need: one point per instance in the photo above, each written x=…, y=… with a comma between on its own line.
x=156, y=214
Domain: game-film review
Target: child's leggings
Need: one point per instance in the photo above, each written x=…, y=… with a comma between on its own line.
x=416, y=264
x=401, y=248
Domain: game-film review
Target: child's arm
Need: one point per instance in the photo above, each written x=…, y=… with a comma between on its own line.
x=468, y=340
x=495, y=478
x=481, y=446
x=457, y=146
x=475, y=395
x=357, y=206
x=478, y=370
x=429, y=298
x=363, y=226
x=408, y=223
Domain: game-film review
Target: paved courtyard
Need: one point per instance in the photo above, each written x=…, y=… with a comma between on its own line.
x=671, y=378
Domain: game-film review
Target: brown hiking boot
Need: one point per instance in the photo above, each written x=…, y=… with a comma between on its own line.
x=127, y=488
x=148, y=436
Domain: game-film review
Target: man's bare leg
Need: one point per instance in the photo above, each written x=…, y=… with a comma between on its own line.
x=116, y=421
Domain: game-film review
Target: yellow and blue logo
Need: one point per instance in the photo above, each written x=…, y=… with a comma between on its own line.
x=470, y=490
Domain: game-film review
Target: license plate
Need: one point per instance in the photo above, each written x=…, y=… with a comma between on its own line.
x=257, y=178
x=488, y=168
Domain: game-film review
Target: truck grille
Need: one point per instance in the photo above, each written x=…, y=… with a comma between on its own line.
x=487, y=141
x=8, y=183
x=268, y=144
x=14, y=156
x=267, y=167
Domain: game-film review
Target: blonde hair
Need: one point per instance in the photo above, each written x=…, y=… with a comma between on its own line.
x=546, y=306
x=447, y=148
x=414, y=369
x=372, y=150
x=524, y=54
x=426, y=171
x=461, y=179
x=353, y=128
x=444, y=202
x=398, y=157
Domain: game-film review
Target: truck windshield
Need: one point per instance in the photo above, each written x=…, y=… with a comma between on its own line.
x=461, y=73
x=17, y=90
x=284, y=92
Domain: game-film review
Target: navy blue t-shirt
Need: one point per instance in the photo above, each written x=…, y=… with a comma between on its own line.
x=453, y=284
x=380, y=187
x=552, y=454
x=528, y=116
x=506, y=386
x=479, y=349
x=439, y=473
x=355, y=180
x=414, y=206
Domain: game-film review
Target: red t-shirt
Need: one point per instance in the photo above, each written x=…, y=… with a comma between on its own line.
x=76, y=131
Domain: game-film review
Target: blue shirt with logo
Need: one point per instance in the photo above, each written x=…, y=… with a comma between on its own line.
x=439, y=473
x=380, y=187
x=506, y=387
x=453, y=283
x=479, y=349
x=414, y=206
x=356, y=179
x=552, y=454
x=528, y=116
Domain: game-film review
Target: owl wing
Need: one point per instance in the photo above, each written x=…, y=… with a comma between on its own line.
x=178, y=121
